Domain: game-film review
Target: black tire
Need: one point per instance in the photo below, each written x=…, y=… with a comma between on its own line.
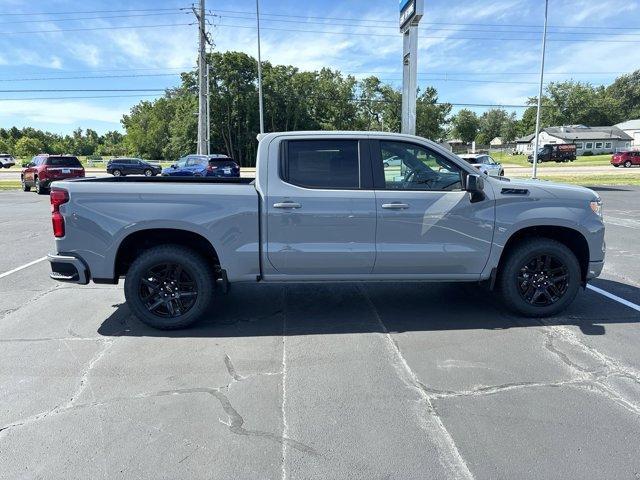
x=501, y=174
x=515, y=290
x=141, y=281
x=40, y=189
x=117, y=173
x=25, y=187
x=627, y=164
x=148, y=172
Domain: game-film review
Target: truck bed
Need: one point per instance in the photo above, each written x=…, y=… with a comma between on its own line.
x=197, y=180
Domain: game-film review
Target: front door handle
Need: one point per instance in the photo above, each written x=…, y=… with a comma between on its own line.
x=395, y=206
x=287, y=205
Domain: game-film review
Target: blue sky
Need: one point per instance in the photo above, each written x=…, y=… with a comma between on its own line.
x=465, y=49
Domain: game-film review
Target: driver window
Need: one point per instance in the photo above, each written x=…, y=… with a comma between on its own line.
x=413, y=167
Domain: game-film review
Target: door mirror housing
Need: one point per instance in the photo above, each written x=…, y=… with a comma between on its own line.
x=474, y=184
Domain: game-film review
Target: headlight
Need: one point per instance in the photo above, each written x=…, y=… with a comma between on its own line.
x=596, y=206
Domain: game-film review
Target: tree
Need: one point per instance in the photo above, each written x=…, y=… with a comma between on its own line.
x=509, y=129
x=431, y=116
x=28, y=147
x=466, y=125
x=491, y=123
x=624, y=95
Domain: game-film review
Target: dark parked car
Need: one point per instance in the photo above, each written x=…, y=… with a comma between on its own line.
x=6, y=160
x=44, y=169
x=119, y=167
x=203, y=166
x=627, y=159
x=556, y=152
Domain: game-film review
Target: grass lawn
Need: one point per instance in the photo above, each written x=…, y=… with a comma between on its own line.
x=521, y=161
x=592, y=179
x=9, y=185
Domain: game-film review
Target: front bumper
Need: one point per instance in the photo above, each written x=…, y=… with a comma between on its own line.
x=67, y=268
x=595, y=269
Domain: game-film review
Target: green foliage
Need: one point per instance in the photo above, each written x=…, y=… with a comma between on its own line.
x=466, y=125
x=28, y=147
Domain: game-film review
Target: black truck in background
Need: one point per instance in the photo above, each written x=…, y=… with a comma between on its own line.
x=559, y=152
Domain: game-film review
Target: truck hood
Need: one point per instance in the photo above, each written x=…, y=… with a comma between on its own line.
x=544, y=188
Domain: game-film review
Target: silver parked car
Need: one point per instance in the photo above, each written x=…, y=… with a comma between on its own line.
x=6, y=160
x=485, y=163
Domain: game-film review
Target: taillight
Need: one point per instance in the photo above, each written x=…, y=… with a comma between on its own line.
x=211, y=168
x=58, y=197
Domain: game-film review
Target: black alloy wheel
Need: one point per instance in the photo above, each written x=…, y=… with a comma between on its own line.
x=543, y=280
x=167, y=290
x=148, y=172
x=117, y=173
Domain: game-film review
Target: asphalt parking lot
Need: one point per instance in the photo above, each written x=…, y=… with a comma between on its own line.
x=329, y=382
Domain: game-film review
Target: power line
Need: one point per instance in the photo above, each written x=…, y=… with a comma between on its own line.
x=88, y=29
x=369, y=25
x=82, y=12
x=395, y=22
x=48, y=20
x=52, y=90
x=515, y=39
x=88, y=77
x=74, y=97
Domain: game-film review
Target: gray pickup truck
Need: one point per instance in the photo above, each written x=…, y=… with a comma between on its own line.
x=328, y=207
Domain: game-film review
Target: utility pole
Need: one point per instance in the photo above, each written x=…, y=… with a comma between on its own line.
x=208, y=109
x=259, y=70
x=202, y=65
x=537, y=132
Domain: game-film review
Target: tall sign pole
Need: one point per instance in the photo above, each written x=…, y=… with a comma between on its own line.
x=202, y=65
x=411, y=12
x=259, y=69
x=537, y=132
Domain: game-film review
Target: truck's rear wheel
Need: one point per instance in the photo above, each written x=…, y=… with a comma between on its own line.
x=539, y=278
x=169, y=287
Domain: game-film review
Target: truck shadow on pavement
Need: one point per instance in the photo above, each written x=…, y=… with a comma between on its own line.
x=347, y=308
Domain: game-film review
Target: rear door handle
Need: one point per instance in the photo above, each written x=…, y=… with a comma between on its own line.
x=395, y=206
x=287, y=205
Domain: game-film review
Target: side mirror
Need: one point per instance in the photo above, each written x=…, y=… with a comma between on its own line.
x=475, y=187
x=174, y=166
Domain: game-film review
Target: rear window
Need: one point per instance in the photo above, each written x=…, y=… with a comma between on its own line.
x=322, y=163
x=63, y=162
x=223, y=163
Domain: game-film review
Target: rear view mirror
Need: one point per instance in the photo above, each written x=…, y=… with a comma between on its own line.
x=174, y=166
x=475, y=187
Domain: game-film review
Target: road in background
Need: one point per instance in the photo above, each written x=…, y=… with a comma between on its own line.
x=317, y=381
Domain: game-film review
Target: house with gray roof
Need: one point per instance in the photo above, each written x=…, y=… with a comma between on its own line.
x=597, y=140
x=524, y=145
x=631, y=128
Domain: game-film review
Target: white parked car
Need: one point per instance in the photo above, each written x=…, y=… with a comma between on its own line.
x=6, y=160
x=485, y=163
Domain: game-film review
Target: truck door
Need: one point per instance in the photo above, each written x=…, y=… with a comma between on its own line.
x=427, y=225
x=321, y=212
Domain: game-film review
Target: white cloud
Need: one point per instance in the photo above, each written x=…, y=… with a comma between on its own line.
x=62, y=112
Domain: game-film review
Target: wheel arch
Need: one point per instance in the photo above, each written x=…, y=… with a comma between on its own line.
x=141, y=240
x=573, y=239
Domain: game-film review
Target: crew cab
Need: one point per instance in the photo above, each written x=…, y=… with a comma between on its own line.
x=44, y=169
x=328, y=207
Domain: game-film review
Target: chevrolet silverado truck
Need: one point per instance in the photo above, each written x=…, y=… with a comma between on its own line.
x=327, y=207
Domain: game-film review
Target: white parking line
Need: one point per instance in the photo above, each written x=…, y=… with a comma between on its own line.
x=614, y=297
x=26, y=265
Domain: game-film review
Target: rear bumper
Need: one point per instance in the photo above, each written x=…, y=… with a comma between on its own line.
x=69, y=269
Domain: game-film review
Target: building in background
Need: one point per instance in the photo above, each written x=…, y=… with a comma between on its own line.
x=631, y=128
x=596, y=140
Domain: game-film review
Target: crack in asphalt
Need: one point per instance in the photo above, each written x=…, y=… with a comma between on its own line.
x=235, y=423
x=5, y=313
x=448, y=454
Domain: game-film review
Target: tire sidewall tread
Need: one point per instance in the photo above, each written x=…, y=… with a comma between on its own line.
x=514, y=261
x=189, y=259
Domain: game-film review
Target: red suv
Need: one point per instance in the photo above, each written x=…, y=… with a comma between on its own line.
x=625, y=158
x=44, y=169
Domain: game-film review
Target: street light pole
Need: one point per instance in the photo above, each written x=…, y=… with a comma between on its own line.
x=259, y=69
x=202, y=65
x=537, y=132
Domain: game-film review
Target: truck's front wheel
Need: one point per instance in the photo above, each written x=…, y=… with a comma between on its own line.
x=169, y=287
x=539, y=278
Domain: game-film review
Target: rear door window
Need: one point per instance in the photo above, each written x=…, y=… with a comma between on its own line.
x=333, y=164
x=72, y=162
